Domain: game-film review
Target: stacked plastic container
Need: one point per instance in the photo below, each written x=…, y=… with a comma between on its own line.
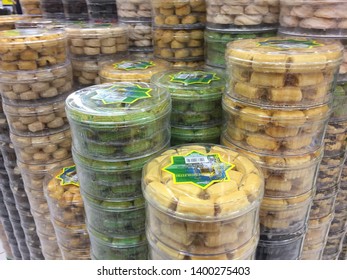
x=5, y=243
x=35, y=82
x=65, y=203
x=116, y=128
x=131, y=69
x=91, y=45
x=277, y=106
x=196, y=104
x=31, y=7
x=75, y=10
x=231, y=20
x=325, y=20
x=178, y=31
x=137, y=15
x=202, y=203
x=102, y=10
x=52, y=9
x=343, y=254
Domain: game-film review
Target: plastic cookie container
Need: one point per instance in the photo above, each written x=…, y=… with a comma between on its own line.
x=339, y=102
x=129, y=10
x=140, y=34
x=178, y=45
x=114, y=217
x=120, y=120
x=180, y=14
x=208, y=134
x=118, y=180
x=216, y=41
x=130, y=247
x=318, y=18
x=272, y=131
x=62, y=191
x=31, y=7
x=102, y=9
x=21, y=87
x=283, y=71
x=131, y=69
x=202, y=199
x=241, y=14
x=52, y=9
x=285, y=176
x=196, y=96
x=335, y=137
x=37, y=119
x=161, y=251
x=75, y=10
x=32, y=49
x=317, y=231
x=93, y=39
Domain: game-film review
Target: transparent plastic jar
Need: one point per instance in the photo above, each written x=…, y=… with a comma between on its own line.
x=283, y=72
x=196, y=96
x=323, y=202
x=119, y=121
x=32, y=49
x=102, y=9
x=335, y=136
x=129, y=10
x=208, y=211
x=208, y=134
x=242, y=14
x=317, y=231
x=75, y=10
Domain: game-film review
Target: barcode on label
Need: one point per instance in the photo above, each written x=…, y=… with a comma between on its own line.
x=196, y=160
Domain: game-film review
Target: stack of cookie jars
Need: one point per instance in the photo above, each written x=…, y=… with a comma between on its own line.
x=116, y=129
x=178, y=31
x=196, y=104
x=137, y=15
x=36, y=78
x=323, y=19
x=102, y=10
x=91, y=45
x=277, y=106
x=15, y=195
x=202, y=203
x=229, y=20
x=65, y=203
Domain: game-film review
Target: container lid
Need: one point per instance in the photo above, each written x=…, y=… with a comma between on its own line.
x=209, y=131
x=95, y=30
x=30, y=36
x=203, y=182
x=115, y=165
x=121, y=242
x=280, y=162
x=61, y=184
x=69, y=228
x=278, y=53
x=94, y=63
x=288, y=203
x=287, y=116
x=133, y=69
x=187, y=83
x=41, y=75
x=118, y=103
x=42, y=169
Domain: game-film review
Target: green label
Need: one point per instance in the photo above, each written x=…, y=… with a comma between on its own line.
x=199, y=169
x=68, y=176
x=127, y=95
x=194, y=77
x=133, y=65
x=285, y=44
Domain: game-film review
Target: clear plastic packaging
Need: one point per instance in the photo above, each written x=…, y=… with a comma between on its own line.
x=285, y=216
x=140, y=34
x=130, y=247
x=43, y=149
x=120, y=120
x=209, y=134
x=71, y=236
x=31, y=7
x=270, y=131
x=102, y=9
x=285, y=176
x=334, y=243
x=281, y=248
x=21, y=87
x=131, y=69
x=178, y=45
x=216, y=41
x=52, y=9
x=317, y=232
x=202, y=198
x=75, y=10
x=323, y=202
x=93, y=39
x=180, y=14
x=32, y=49
x=340, y=102
x=62, y=191
x=335, y=137
x=312, y=252
x=196, y=96
x=239, y=14
x=129, y=10
x=314, y=18
x=283, y=71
